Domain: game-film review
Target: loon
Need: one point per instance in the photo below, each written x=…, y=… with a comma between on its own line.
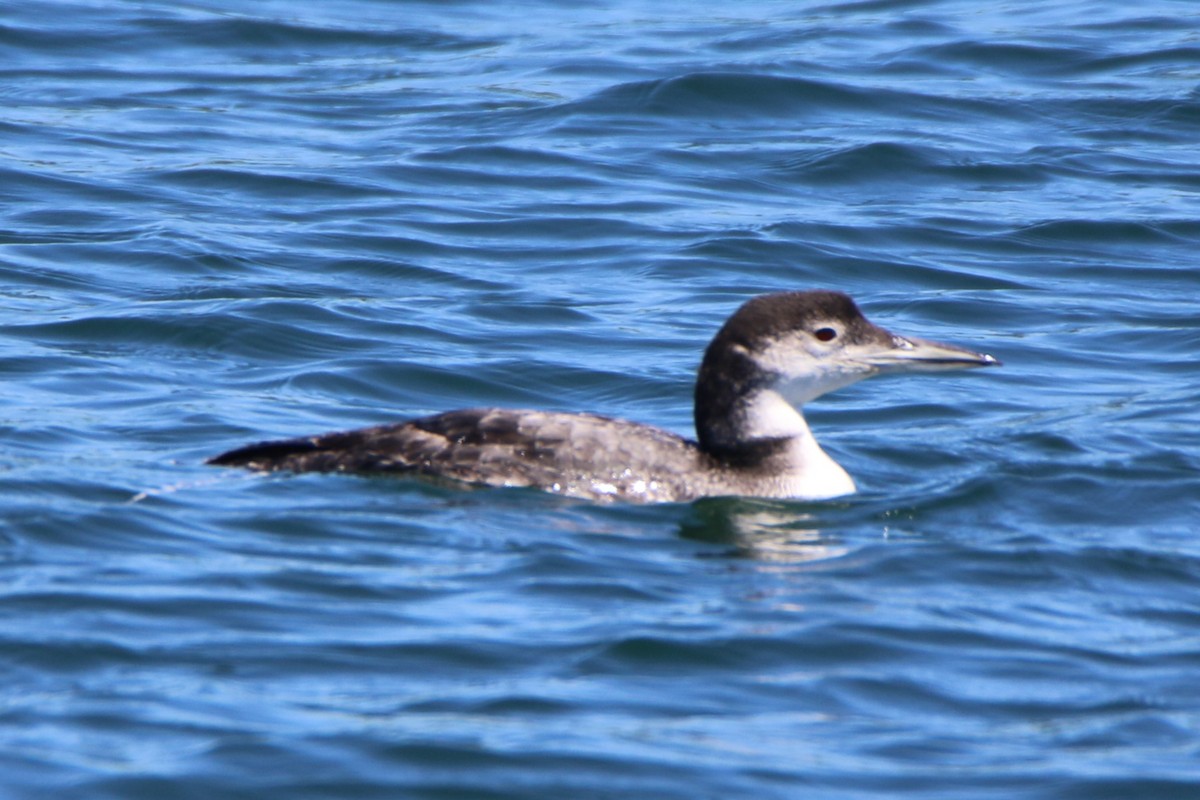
x=776, y=352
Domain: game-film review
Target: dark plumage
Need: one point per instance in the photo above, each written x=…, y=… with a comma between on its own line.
x=575, y=454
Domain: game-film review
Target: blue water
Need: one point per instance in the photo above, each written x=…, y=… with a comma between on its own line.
x=222, y=222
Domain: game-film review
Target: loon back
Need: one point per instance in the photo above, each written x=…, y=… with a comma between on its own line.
x=579, y=455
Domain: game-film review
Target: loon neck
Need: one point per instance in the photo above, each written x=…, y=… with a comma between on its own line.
x=726, y=381
x=777, y=446
x=745, y=423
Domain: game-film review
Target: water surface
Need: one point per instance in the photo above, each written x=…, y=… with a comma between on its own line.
x=222, y=223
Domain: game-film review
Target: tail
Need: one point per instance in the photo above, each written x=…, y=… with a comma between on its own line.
x=269, y=456
x=379, y=449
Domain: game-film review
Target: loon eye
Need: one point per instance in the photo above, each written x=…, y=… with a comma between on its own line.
x=825, y=334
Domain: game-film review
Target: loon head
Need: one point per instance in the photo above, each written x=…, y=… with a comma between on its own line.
x=793, y=347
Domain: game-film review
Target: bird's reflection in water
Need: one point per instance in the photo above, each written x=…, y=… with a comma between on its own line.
x=771, y=530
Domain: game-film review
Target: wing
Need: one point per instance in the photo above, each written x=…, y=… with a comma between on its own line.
x=581, y=455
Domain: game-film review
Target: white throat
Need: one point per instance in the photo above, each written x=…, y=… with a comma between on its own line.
x=770, y=416
x=810, y=472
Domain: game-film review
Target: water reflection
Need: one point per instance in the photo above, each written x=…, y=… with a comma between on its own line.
x=770, y=530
